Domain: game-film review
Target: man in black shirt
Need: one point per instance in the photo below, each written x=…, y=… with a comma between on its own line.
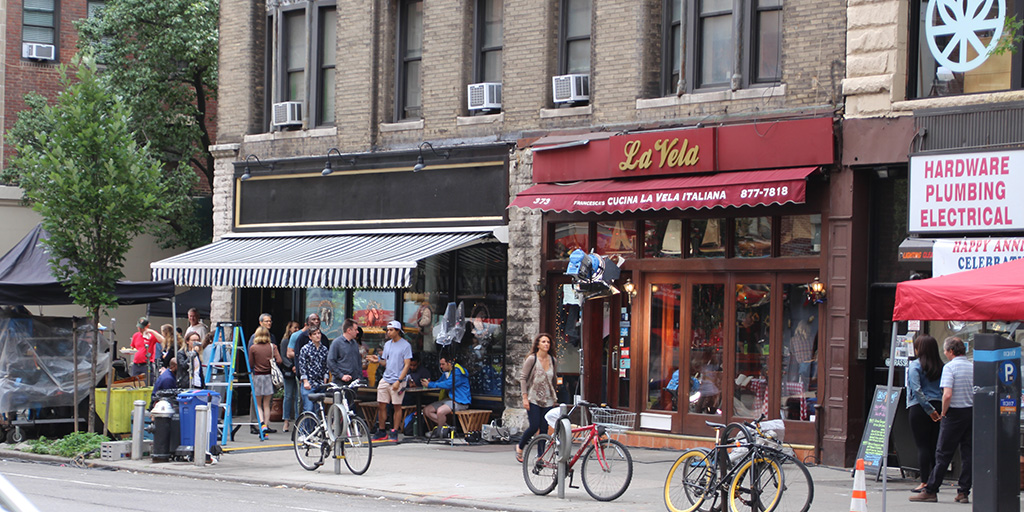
x=343, y=359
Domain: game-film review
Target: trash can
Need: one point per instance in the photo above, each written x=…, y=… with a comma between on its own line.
x=187, y=403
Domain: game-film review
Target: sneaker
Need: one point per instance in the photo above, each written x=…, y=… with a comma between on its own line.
x=381, y=434
x=925, y=496
x=961, y=497
x=393, y=435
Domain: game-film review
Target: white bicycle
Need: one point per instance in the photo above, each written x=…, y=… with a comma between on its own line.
x=315, y=433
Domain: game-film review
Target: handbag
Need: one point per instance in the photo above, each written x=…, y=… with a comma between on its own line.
x=276, y=376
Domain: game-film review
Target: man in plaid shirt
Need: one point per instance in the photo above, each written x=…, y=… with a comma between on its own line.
x=312, y=367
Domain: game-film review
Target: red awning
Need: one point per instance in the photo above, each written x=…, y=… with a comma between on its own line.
x=993, y=293
x=748, y=188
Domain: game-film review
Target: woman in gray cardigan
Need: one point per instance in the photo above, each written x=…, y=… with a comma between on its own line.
x=537, y=382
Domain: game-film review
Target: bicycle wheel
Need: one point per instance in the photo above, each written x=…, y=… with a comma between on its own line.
x=692, y=482
x=607, y=470
x=358, y=449
x=772, y=481
x=309, y=441
x=540, y=466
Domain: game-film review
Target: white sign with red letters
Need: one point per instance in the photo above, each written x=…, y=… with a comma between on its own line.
x=967, y=192
x=956, y=255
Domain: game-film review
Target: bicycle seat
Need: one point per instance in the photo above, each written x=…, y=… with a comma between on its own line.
x=716, y=426
x=316, y=397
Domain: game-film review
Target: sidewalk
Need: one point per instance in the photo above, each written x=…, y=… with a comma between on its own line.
x=483, y=476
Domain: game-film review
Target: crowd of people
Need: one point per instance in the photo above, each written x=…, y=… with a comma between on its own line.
x=308, y=360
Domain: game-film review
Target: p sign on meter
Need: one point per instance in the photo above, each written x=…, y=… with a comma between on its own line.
x=1007, y=372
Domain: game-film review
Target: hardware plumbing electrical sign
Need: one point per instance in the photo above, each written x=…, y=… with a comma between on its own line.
x=967, y=192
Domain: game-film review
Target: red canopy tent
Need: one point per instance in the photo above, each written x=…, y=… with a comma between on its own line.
x=990, y=293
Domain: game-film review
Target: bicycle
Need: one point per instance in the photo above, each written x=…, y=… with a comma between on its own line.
x=607, y=466
x=314, y=436
x=748, y=474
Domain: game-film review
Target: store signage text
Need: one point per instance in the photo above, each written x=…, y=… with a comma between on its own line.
x=966, y=192
x=671, y=153
x=952, y=256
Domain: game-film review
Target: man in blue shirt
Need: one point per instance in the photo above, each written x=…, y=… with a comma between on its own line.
x=166, y=380
x=395, y=357
x=957, y=383
x=343, y=358
x=438, y=411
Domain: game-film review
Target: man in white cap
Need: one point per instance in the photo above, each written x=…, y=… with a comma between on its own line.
x=395, y=358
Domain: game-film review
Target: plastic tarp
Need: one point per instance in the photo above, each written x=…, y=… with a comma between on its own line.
x=993, y=293
x=36, y=366
x=26, y=279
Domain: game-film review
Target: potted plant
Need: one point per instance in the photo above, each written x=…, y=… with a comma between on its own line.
x=277, y=405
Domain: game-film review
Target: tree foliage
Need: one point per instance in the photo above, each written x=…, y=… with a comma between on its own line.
x=161, y=58
x=94, y=185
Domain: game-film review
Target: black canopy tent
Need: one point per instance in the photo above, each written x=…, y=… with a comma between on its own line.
x=26, y=279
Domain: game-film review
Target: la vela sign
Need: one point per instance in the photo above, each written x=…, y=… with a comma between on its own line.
x=967, y=192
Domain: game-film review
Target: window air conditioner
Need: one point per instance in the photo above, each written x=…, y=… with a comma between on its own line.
x=37, y=51
x=571, y=88
x=287, y=113
x=485, y=96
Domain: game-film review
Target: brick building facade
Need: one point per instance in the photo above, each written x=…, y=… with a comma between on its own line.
x=400, y=72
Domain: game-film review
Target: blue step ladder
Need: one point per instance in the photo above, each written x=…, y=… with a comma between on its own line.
x=223, y=359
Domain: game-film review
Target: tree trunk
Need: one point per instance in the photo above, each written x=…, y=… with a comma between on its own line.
x=92, y=369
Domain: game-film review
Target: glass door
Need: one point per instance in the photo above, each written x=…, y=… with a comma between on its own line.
x=752, y=326
x=664, y=313
x=704, y=384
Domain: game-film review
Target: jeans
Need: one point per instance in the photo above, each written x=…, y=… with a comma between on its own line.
x=926, y=437
x=307, y=404
x=956, y=429
x=290, y=402
x=536, y=415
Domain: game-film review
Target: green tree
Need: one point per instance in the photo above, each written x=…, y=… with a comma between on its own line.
x=95, y=187
x=161, y=57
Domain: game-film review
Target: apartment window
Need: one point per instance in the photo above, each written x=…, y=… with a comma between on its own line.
x=767, y=40
x=328, y=37
x=489, y=40
x=672, y=59
x=410, y=57
x=951, y=50
x=93, y=7
x=39, y=22
x=575, y=41
x=709, y=28
x=294, y=53
x=301, y=62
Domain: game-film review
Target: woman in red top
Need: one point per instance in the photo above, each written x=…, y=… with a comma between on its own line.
x=144, y=342
x=260, y=353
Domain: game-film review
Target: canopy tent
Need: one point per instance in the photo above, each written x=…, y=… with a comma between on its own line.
x=990, y=293
x=198, y=298
x=26, y=279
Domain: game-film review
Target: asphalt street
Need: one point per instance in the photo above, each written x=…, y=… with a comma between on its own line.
x=482, y=476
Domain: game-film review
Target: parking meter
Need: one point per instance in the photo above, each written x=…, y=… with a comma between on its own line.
x=997, y=388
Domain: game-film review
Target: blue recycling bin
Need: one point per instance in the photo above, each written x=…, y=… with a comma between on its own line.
x=187, y=403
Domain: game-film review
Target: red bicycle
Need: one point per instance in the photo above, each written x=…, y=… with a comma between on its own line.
x=607, y=465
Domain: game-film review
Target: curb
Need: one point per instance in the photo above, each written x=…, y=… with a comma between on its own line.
x=334, y=489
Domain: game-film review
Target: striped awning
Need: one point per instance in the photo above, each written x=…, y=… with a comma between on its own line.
x=309, y=261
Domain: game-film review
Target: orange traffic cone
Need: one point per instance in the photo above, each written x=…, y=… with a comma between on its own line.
x=859, y=501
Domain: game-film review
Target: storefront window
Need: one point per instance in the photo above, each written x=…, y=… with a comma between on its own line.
x=707, y=238
x=482, y=288
x=799, y=354
x=753, y=305
x=663, y=238
x=753, y=237
x=329, y=305
x=567, y=329
x=953, y=51
x=568, y=237
x=373, y=309
x=704, y=389
x=617, y=237
x=425, y=302
x=664, y=344
x=801, y=235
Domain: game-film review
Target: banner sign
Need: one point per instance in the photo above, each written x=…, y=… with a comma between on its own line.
x=957, y=255
x=967, y=192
